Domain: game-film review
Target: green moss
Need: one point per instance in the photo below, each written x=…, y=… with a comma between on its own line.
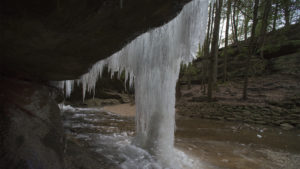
x=190, y=70
x=273, y=48
x=288, y=64
x=231, y=51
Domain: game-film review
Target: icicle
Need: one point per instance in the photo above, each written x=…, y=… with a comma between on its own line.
x=153, y=61
x=69, y=87
x=130, y=80
x=126, y=78
x=60, y=84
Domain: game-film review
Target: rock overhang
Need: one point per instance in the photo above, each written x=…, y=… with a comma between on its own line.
x=59, y=40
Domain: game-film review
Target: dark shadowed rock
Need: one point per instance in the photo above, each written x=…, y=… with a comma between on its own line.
x=79, y=157
x=59, y=40
x=30, y=125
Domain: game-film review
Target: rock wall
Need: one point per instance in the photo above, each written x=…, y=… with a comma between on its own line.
x=30, y=125
x=257, y=114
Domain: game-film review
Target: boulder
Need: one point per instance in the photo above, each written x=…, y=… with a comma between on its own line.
x=286, y=126
x=31, y=127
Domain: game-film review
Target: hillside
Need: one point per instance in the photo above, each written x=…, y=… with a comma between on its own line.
x=273, y=91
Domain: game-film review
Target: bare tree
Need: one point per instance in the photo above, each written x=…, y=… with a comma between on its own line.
x=235, y=22
x=205, y=50
x=214, y=50
x=228, y=12
x=265, y=23
x=275, y=15
x=252, y=49
x=287, y=11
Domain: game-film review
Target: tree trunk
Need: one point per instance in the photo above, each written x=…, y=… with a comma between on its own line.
x=204, y=77
x=178, y=90
x=235, y=21
x=252, y=49
x=212, y=23
x=275, y=16
x=226, y=38
x=287, y=11
x=235, y=24
x=246, y=28
x=206, y=47
x=207, y=39
x=214, y=49
x=265, y=22
x=189, y=81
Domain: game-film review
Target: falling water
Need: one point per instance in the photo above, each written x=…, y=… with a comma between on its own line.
x=152, y=62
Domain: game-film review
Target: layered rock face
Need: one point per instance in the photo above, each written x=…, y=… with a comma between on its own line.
x=61, y=39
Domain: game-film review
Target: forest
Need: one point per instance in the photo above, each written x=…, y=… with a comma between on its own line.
x=253, y=31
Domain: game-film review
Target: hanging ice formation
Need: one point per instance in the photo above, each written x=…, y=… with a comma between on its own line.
x=152, y=62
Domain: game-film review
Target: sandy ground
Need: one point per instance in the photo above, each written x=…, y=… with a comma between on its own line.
x=121, y=109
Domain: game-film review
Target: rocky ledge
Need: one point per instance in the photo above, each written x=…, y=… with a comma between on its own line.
x=265, y=115
x=60, y=40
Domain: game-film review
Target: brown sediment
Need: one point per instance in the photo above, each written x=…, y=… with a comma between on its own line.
x=121, y=109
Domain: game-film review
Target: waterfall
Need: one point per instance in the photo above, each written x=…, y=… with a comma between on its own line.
x=152, y=63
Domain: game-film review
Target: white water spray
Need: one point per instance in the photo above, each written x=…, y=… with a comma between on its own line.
x=153, y=61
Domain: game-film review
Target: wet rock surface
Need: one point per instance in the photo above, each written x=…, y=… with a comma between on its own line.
x=78, y=157
x=86, y=132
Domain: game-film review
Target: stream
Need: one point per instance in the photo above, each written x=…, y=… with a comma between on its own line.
x=198, y=143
